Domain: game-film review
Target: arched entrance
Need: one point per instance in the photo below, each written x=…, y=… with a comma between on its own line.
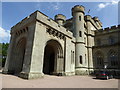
x=19, y=55
x=53, y=58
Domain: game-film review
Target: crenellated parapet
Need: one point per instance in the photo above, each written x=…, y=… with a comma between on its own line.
x=92, y=20
x=97, y=21
x=60, y=19
x=42, y=18
x=108, y=29
x=78, y=8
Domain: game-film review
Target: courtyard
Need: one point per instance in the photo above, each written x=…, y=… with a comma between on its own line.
x=50, y=81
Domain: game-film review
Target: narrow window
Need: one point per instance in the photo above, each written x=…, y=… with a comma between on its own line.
x=80, y=59
x=21, y=31
x=80, y=33
x=27, y=28
x=80, y=18
x=73, y=57
x=85, y=59
x=85, y=40
x=24, y=30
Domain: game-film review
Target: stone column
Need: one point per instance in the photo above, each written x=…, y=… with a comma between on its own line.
x=90, y=40
x=34, y=55
x=28, y=52
x=78, y=32
x=9, y=55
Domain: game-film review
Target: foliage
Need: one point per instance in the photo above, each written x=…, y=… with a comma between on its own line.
x=3, y=52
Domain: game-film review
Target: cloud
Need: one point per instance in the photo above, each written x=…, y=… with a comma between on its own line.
x=4, y=35
x=114, y=2
x=55, y=5
x=103, y=5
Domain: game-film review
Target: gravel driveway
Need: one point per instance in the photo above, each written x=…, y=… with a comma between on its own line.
x=10, y=81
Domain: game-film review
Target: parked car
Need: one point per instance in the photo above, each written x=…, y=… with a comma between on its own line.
x=104, y=75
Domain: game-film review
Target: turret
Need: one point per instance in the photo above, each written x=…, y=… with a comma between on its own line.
x=78, y=32
x=78, y=21
x=60, y=19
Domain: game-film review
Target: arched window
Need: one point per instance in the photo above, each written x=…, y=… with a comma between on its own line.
x=99, y=59
x=72, y=57
x=112, y=57
x=80, y=59
x=80, y=33
x=111, y=40
x=80, y=18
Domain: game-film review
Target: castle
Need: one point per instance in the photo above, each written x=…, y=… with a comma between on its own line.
x=77, y=46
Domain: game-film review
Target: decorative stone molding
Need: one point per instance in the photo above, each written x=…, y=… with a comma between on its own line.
x=55, y=33
x=19, y=32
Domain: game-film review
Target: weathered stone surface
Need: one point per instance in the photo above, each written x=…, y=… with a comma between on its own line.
x=40, y=45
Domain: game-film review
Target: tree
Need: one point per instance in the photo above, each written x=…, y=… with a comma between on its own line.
x=0, y=55
x=4, y=47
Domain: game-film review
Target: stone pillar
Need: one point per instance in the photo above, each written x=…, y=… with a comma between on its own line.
x=33, y=64
x=90, y=40
x=9, y=55
x=78, y=32
x=28, y=52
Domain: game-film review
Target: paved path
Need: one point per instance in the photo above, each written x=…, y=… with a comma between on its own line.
x=10, y=81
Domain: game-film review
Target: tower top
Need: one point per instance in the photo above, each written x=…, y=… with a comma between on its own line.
x=60, y=17
x=78, y=8
x=96, y=18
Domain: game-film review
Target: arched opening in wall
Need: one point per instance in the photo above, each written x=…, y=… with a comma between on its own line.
x=19, y=55
x=53, y=58
x=112, y=59
x=49, y=60
x=99, y=59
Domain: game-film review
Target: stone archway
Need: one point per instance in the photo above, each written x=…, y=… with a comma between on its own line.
x=53, y=58
x=19, y=55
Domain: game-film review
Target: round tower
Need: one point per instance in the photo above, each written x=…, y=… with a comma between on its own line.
x=60, y=19
x=78, y=32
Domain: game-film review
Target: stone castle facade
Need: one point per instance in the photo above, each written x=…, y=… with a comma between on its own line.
x=77, y=46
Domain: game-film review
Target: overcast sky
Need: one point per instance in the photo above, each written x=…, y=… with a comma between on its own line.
x=13, y=12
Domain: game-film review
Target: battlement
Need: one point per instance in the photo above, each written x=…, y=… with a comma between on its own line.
x=95, y=18
x=60, y=17
x=42, y=18
x=93, y=22
x=26, y=19
x=78, y=8
x=108, y=29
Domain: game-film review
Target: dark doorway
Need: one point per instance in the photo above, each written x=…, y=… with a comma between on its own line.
x=49, y=58
x=19, y=57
